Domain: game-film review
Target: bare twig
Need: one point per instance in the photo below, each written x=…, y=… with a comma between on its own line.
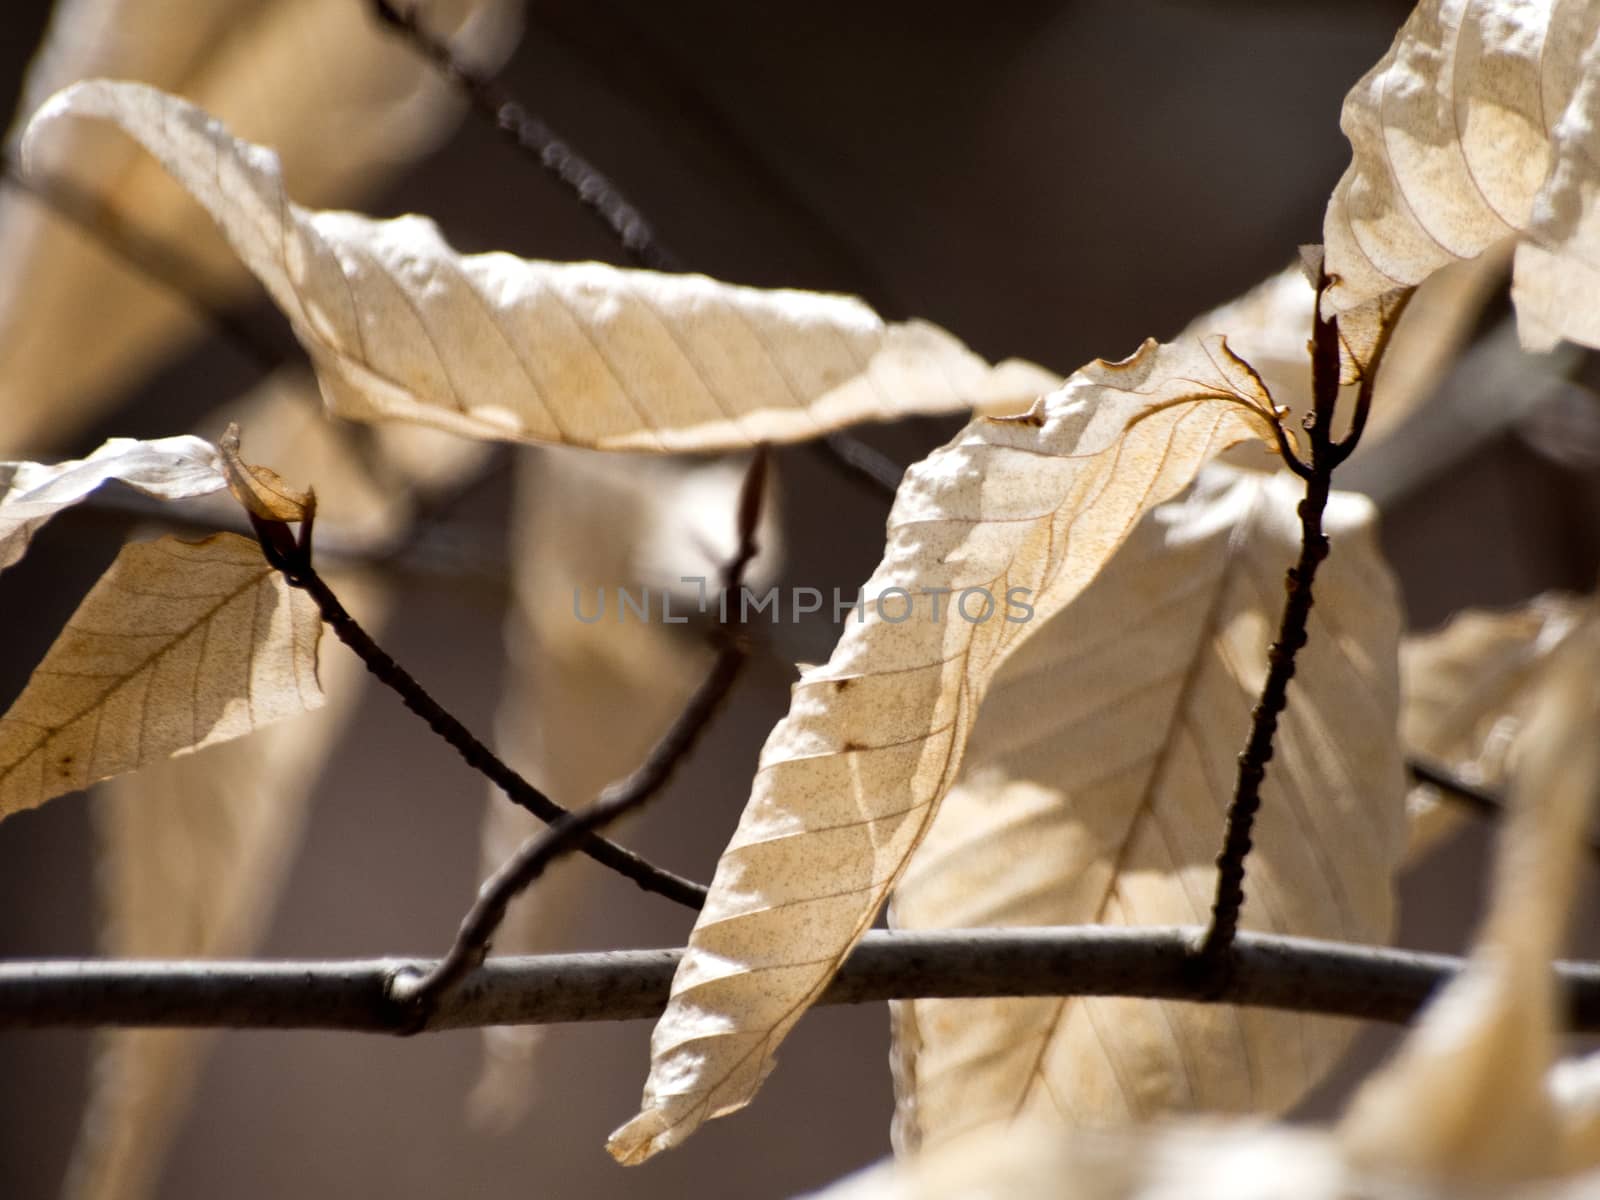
x=535, y=855
x=1372, y=982
x=1326, y=454
x=292, y=558
x=1485, y=802
x=598, y=194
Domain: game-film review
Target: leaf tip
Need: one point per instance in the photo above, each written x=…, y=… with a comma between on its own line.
x=643, y=1137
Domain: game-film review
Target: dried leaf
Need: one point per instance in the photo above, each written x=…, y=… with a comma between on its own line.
x=1097, y=780
x=403, y=328
x=1466, y=1097
x=641, y=525
x=178, y=646
x=851, y=777
x=346, y=102
x=261, y=491
x=1270, y=326
x=1468, y=1109
x=174, y=468
x=1467, y=689
x=193, y=853
x=1475, y=127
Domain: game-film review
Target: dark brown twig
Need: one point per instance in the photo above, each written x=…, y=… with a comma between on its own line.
x=1485, y=802
x=291, y=556
x=536, y=854
x=537, y=140
x=1326, y=454
x=1376, y=983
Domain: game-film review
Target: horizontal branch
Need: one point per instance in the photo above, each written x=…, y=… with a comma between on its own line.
x=1370, y=982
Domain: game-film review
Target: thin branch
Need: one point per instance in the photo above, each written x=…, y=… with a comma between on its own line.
x=1485, y=802
x=1326, y=454
x=535, y=855
x=1269, y=971
x=600, y=197
x=292, y=558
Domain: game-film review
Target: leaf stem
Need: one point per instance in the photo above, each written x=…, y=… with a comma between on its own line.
x=292, y=558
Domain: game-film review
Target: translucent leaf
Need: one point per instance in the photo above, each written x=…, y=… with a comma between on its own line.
x=193, y=853
x=179, y=645
x=1478, y=125
x=174, y=468
x=1015, y=511
x=1469, y=1108
x=1096, y=785
x=403, y=328
x=346, y=102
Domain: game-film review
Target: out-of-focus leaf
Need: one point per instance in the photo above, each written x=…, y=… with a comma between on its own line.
x=345, y=101
x=585, y=699
x=1096, y=782
x=174, y=468
x=179, y=645
x=1469, y=1109
x=1466, y=692
x=1466, y=1097
x=193, y=853
x=1025, y=508
x=403, y=328
x=1477, y=126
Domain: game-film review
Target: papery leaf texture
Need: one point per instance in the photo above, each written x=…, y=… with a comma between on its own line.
x=174, y=468
x=401, y=327
x=179, y=645
x=1470, y=1108
x=1020, y=511
x=192, y=854
x=1478, y=125
x=1097, y=779
x=345, y=101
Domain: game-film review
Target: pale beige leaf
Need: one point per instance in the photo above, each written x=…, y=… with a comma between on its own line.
x=174, y=468
x=585, y=699
x=1477, y=126
x=369, y=480
x=403, y=328
x=1467, y=1096
x=179, y=645
x=1096, y=784
x=1467, y=1110
x=1197, y=1159
x=1029, y=508
x=193, y=854
x=261, y=491
x=1270, y=326
x=1466, y=692
x=346, y=103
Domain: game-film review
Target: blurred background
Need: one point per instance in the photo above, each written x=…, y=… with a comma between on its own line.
x=1054, y=181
